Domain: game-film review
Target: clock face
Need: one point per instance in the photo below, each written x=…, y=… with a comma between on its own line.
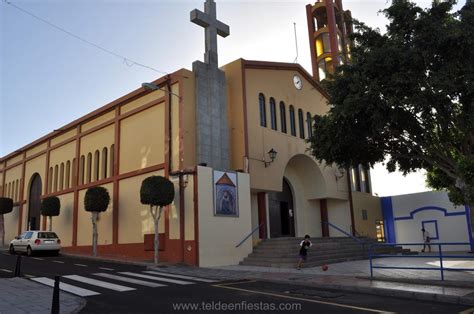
x=298, y=82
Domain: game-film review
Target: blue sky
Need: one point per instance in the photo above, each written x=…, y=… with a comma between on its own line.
x=49, y=79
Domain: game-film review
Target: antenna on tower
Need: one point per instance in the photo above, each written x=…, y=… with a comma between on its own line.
x=296, y=43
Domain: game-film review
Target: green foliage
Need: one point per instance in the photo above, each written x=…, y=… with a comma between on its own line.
x=97, y=199
x=407, y=98
x=50, y=206
x=157, y=191
x=6, y=205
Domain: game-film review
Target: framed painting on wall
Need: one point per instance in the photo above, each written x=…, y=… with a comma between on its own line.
x=226, y=201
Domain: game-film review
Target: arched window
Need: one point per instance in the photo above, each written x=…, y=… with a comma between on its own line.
x=283, y=116
x=301, y=122
x=309, y=122
x=9, y=189
x=16, y=191
x=61, y=177
x=82, y=165
x=263, y=110
x=111, y=168
x=68, y=175
x=273, y=118
x=104, y=163
x=56, y=173
x=96, y=165
x=73, y=173
x=292, y=121
x=50, y=180
x=89, y=168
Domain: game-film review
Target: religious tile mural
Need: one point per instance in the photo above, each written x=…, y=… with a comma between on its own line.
x=225, y=194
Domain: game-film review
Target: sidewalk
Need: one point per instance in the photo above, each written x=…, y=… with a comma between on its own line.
x=354, y=277
x=20, y=295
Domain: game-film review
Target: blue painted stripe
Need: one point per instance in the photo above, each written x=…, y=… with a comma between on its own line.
x=388, y=221
x=444, y=210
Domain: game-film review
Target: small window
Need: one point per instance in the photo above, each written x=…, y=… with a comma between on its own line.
x=56, y=174
x=309, y=122
x=364, y=214
x=96, y=165
x=273, y=114
x=61, y=177
x=301, y=122
x=73, y=173
x=263, y=110
x=68, y=175
x=283, y=116
x=89, y=168
x=292, y=121
x=50, y=180
x=82, y=166
x=104, y=163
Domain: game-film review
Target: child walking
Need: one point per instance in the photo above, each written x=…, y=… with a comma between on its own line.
x=304, y=245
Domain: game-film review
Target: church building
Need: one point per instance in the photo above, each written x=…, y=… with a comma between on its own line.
x=233, y=140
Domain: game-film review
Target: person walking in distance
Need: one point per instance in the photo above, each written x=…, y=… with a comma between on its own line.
x=426, y=240
x=304, y=245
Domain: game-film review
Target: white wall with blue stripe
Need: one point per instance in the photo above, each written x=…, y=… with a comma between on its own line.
x=405, y=216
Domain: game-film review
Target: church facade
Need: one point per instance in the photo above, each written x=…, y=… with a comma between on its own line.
x=232, y=139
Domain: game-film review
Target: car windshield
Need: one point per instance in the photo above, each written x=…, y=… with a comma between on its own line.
x=47, y=235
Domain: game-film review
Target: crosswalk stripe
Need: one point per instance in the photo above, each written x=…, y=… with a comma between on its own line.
x=130, y=280
x=105, y=268
x=37, y=258
x=65, y=287
x=81, y=265
x=99, y=283
x=59, y=262
x=179, y=276
x=6, y=270
x=179, y=282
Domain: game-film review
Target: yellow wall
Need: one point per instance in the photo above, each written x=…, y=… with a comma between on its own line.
x=61, y=138
x=62, y=224
x=11, y=177
x=188, y=119
x=104, y=223
x=97, y=121
x=36, y=149
x=142, y=139
x=14, y=159
x=60, y=155
x=11, y=224
x=135, y=219
x=141, y=101
x=236, y=112
x=374, y=212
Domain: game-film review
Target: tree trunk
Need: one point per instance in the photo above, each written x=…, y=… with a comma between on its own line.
x=2, y=225
x=157, y=240
x=94, y=233
x=50, y=223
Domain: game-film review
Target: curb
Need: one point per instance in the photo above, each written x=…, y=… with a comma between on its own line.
x=430, y=282
x=421, y=296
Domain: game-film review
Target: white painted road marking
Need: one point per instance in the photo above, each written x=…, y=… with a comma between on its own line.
x=29, y=276
x=66, y=287
x=179, y=282
x=82, y=265
x=105, y=268
x=130, y=280
x=179, y=276
x=99, y=283
x=60, y=262
x=37, y=258
x=6, y=270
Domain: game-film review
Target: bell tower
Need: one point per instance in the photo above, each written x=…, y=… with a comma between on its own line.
x=328, y=28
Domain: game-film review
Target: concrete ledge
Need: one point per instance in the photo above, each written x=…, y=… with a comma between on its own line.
x=113, y=260
x=445, y=283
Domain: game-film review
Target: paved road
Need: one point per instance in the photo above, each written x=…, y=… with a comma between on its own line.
x=119, y=288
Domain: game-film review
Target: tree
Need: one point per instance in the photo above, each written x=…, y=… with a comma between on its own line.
x=96, y=200
x=50, y=206
x=407, y=98
x=6, y=206
x=157, y=192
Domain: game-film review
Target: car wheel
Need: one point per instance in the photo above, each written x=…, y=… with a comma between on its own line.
x=29, y=251
x=12, y=249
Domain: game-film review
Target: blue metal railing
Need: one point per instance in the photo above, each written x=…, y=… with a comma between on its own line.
x=440, y=256
x=345, y=232
x=250, y=234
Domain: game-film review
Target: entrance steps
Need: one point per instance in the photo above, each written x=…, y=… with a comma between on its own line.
x=283, y=252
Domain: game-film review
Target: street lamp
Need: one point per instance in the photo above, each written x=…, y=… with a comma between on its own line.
x=153, y=87
x=272, y=154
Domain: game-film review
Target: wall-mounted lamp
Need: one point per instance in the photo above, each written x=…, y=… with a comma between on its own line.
x=272, y=154
x=153, y=87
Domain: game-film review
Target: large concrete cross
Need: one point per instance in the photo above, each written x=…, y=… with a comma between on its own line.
x=208, y=20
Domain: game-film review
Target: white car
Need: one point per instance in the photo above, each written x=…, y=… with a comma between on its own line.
x=34, y=241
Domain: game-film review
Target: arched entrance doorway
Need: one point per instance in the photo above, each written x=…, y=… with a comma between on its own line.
x=34, y=202
x=281, y=210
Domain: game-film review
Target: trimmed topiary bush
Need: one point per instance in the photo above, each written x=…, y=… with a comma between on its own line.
x=50, y=206
x=157, y=192
x=6, y=206
x=96, y=200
